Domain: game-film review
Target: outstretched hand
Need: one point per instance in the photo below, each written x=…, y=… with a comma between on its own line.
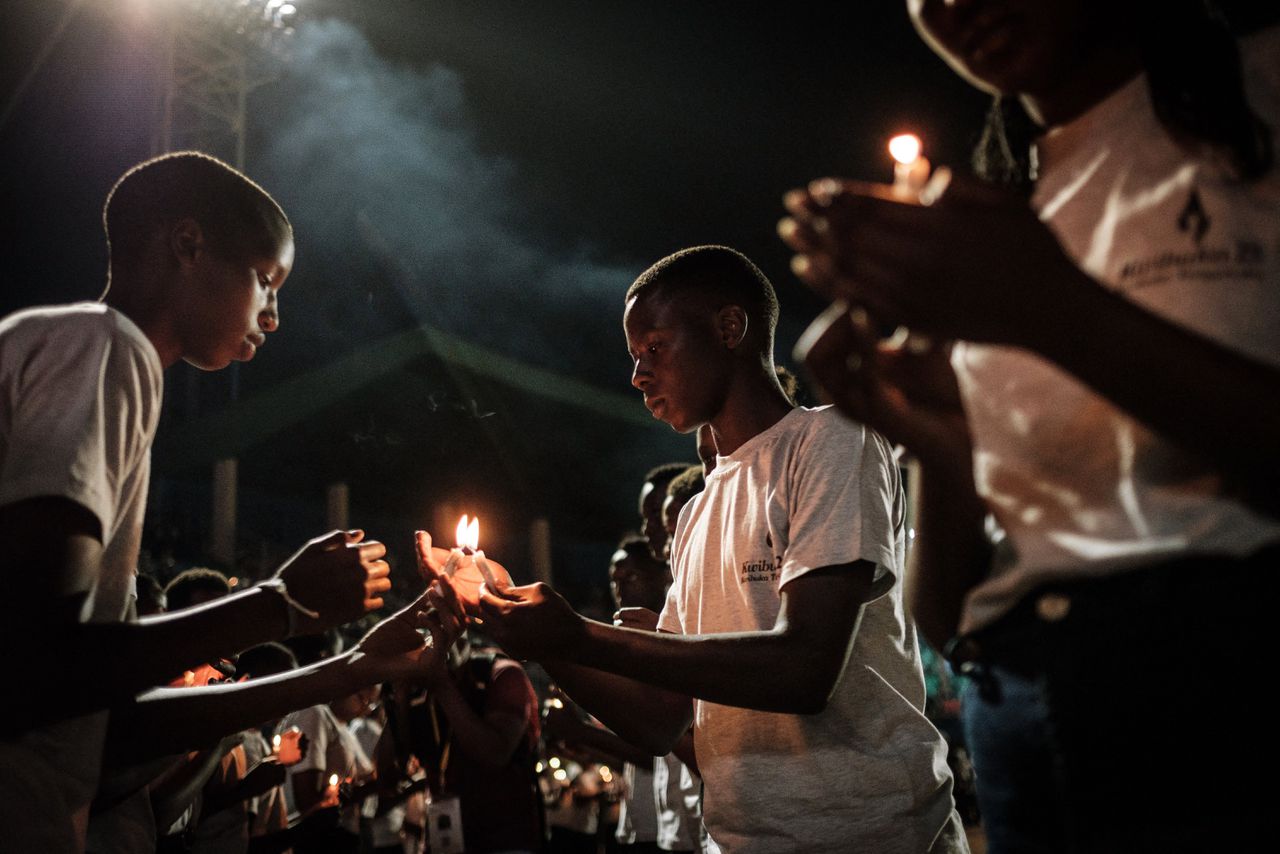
x=341, y=576
x=970, y=261
x=531, y=622
x=396, y=648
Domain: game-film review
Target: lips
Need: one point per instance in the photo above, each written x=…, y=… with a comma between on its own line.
x=654, y=404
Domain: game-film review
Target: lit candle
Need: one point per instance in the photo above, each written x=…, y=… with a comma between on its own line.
x=910, y=174
x=331, y=794
x=467, y=567
x=910, y=169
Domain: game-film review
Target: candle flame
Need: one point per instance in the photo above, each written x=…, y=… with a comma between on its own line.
x=905, y=148
x=333, y=779
x=275, y=741
x=468, y=533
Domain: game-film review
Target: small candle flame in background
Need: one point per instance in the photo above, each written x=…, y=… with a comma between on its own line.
x=275, y=742
x=905, y=148
x=468, y=532
x=333, y=780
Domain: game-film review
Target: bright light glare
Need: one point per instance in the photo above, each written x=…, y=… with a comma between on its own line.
x=905, y=148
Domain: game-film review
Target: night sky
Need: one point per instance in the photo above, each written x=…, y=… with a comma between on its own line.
x=498, y=170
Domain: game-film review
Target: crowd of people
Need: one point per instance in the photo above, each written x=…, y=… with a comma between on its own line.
x=1075, y=354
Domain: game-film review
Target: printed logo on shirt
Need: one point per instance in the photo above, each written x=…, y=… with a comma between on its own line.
x=1193, y=218
x=1204, y=260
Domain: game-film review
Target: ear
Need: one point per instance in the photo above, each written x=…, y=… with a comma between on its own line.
x=186, y=241
x=731, y=323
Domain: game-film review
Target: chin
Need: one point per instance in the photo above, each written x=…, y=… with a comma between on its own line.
x=207, y=363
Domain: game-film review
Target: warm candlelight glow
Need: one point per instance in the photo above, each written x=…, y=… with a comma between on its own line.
x=561, y=775
x=554, y=761
x=606, y=774
x=333, y=779
x=905, y=148
x=468, y=533
x=275, y=742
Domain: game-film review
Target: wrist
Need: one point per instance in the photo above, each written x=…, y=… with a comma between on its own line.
x=294, y=611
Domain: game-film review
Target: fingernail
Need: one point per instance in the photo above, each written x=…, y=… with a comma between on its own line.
x=801, y=265
x=794, y=198
x=824, y=190
x=786, y=227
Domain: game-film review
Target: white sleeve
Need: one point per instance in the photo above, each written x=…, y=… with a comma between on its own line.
x=844, y=502
x=79, y=421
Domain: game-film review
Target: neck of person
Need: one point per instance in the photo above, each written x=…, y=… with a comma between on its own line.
x=1097, y=75
x=755, y=403
x=137, y=294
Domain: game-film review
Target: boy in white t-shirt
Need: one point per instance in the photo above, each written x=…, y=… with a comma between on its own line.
x=784, y=639
x=198, y=253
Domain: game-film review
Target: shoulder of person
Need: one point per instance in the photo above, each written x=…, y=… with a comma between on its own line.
x=68, y=332
x=826, y=426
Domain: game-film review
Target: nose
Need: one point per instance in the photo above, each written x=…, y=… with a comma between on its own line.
x=640, y=375
x=269, y=318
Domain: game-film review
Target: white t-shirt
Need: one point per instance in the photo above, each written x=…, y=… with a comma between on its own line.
x=637, y=814
x=679, y=803
x=1081, y=488
x=332, y=749
x=869, y=773
x=80, y=393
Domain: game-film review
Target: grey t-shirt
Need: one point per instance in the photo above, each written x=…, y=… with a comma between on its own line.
x=869, y=773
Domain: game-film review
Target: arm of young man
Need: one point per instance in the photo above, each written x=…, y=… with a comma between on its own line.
x=816, y=624
x=167, y=720
x=78, y=666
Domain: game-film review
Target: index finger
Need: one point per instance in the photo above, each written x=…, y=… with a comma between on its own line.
x=371, y=549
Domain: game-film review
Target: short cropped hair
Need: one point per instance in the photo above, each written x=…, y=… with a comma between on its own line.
x=716, y=271
x=687, y=484
x=181, y=592
x=662, y=475
x=239, y=218
x=636, y=546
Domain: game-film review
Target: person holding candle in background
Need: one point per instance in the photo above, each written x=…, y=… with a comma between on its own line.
x=1132, y=468
x=783, y=639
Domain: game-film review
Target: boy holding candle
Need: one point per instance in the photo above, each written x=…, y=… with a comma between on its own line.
x=198, y=253
x=783, y=639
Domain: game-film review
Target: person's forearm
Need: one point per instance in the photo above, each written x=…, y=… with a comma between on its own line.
x=156, y=649
x=604, y=741
x=77, y=668
x=648, y=717
x=171, y=719
x=723, y=668
x=476, y=737
x=950, y=554
x=1221, y=405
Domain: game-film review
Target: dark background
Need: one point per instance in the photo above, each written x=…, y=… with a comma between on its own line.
x=497, y=170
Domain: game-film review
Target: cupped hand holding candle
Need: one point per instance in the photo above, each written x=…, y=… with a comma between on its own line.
x=289, y=746
x=465, y=567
